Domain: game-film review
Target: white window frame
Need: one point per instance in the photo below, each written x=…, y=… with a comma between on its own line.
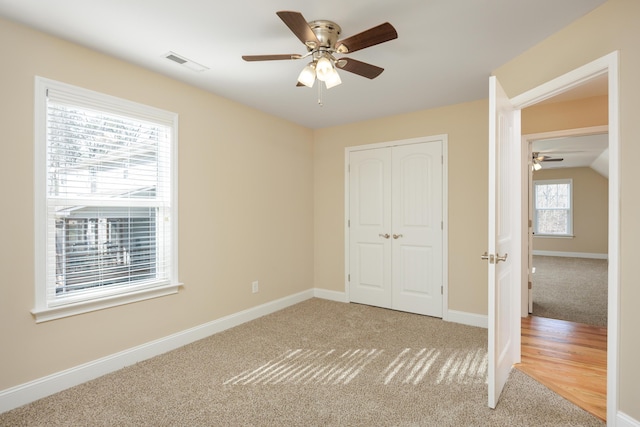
x=45, y=308
x=569, y=233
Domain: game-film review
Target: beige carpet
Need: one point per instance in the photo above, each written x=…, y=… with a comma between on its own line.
x=573, y=289
x=318, y=363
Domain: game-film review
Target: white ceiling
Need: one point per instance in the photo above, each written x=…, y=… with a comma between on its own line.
x=576, y=151
x=444, y=53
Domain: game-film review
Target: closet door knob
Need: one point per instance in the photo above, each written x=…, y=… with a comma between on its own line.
x=386, y=235
x=501, y=258
x=397, y=236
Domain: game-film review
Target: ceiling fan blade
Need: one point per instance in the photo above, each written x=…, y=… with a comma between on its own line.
x=270, y=57
x=371, y=37
x=552, y=159
x=360, y=68
x=299, y=26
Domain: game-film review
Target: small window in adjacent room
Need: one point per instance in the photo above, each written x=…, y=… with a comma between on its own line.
x=553, y=210
x=105, y=198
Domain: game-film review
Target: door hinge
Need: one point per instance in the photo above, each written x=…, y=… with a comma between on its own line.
x=530, y=223
x=348, y=223
x=348, y=277
x=442, y=160
x=441, y=225
x=530, y=285
x=441, y=290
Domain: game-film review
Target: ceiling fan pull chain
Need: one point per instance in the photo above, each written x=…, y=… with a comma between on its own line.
x=320, y=103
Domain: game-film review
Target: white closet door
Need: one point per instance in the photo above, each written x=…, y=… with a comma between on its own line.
x=395, y=232
x=370, y=227
x=417, y=228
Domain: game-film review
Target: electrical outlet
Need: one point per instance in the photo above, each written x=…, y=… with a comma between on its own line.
x=254, y=286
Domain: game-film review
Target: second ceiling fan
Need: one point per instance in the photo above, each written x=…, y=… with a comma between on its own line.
x=321, y=39
x=538, y=158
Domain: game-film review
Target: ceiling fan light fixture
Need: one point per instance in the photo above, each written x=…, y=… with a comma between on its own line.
x=308, y=75
x=536, y=165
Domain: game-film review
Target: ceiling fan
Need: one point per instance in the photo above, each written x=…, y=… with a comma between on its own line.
x=538, y=158
x=321, y=39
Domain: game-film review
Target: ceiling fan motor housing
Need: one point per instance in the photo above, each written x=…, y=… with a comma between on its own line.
x=327, y=33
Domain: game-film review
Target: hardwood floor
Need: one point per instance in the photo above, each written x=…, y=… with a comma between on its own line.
x=569, y=358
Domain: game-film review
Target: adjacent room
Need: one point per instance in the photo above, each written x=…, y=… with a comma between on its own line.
x=570, y=217
x=567, y=262
x=269, y=213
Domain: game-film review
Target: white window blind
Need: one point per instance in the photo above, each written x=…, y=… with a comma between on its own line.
x=108, y=195
x=553, y=207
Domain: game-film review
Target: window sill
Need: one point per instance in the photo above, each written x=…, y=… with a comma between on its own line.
x=555, y=236
x=53, y=313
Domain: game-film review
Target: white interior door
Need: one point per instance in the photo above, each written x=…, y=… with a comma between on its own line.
x=370, y=227
x=504, y=252
x=417, y=228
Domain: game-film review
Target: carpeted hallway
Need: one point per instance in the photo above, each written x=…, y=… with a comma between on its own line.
x=572, y=289
x=318, y=363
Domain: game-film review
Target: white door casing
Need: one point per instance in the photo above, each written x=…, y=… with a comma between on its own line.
x=395, y=228
x=504, y=249
x=529, y=231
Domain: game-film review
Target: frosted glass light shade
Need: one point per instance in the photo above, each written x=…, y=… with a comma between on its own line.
x=308, y=75
x=324, y=67
x=333, y=79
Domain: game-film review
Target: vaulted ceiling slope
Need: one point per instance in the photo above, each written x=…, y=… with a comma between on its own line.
x=444, y=53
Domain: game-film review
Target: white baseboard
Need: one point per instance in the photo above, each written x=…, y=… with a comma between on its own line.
x=624, y=420
x=25, y=393
x=571, y=254
x=470, y=319
x=330, y=295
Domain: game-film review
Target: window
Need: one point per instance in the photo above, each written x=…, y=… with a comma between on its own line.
x=105, y=201
x=553, y=211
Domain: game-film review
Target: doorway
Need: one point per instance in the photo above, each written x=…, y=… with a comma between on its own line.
x=607, y=65
x=568, y=217
x=564, y=337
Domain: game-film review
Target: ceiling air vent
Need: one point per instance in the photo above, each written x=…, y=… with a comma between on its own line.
x=192, y=65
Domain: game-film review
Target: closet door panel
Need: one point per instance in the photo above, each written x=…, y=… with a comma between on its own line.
x=370, y=222
x=417, y=228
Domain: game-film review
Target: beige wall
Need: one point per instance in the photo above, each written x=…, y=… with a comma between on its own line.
x=613, y=26
x=574, y=114
x=467, y=129
x=245, y=213
x=590, y=212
